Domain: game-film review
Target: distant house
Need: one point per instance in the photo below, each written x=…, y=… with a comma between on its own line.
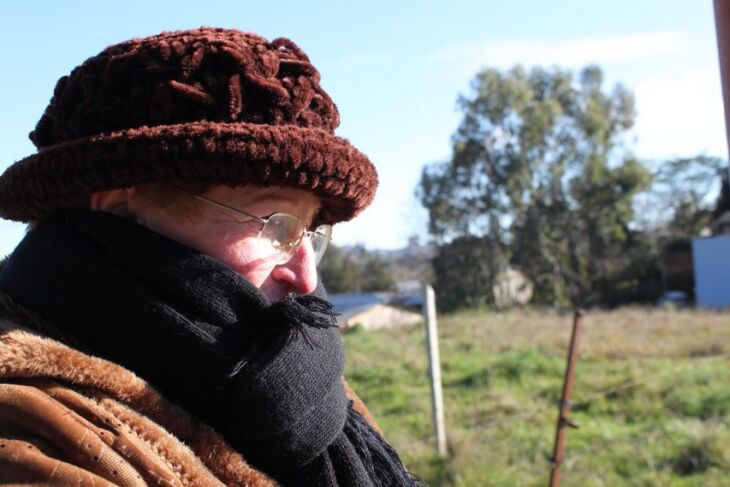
x=511, y=287
x=711, y=258
x=677, y=267
x=409, y=286
x=373, y=311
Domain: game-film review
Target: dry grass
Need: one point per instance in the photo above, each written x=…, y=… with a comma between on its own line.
x=502, y=375
x=630, y=332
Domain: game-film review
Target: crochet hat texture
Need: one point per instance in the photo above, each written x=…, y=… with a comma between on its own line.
x=212, y=106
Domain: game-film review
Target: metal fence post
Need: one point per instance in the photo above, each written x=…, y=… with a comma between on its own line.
x=563, y=420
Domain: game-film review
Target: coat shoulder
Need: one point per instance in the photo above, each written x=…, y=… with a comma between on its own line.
x=68, y=417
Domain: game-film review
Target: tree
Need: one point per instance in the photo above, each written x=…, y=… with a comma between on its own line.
x=539, y=168
x=338, y=273
x=375, y=276
x=723, y=200
x=462, y=273
x=354, y=270
x=682, y=188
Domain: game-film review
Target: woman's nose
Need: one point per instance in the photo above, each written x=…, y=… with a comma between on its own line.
x=300, y=273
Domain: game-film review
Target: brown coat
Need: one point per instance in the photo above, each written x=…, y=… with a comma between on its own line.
x=67, y=418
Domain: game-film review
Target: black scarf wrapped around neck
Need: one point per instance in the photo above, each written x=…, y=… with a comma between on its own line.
x=266, y=376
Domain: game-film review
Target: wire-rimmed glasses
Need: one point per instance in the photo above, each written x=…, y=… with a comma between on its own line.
x=280, y=233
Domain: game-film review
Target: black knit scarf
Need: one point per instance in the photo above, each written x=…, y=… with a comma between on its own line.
x=266, y=376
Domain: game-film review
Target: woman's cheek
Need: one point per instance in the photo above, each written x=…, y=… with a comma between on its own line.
x=242, y=258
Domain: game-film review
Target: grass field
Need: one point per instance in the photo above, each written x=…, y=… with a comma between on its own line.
x=652, y=397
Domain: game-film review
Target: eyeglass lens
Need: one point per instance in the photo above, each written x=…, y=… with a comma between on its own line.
x=281, y=235
x=320, y=239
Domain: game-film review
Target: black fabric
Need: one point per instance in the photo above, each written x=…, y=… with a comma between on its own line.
x=266, y=376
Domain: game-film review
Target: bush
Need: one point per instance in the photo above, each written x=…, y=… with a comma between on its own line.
x=699, y=454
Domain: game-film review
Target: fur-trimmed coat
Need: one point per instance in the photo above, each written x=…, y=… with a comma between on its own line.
x=67, y=418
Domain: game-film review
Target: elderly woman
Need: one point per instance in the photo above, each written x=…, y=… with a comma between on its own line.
x=162, y=322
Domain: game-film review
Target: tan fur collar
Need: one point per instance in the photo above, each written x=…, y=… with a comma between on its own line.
x=24, y=354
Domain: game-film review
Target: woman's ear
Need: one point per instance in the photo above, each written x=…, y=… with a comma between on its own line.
x=113, y=201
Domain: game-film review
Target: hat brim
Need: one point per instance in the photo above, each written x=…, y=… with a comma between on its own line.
x=197, y=152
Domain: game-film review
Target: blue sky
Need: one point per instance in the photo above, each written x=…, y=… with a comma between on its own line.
x=395, y=70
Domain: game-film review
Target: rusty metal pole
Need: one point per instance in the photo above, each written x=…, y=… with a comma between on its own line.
x=563, y=420
x=722, y=29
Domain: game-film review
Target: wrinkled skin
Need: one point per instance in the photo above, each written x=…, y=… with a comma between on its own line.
x=217, y=234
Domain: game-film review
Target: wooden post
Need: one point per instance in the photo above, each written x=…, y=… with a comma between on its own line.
x=434, y=368
x=722, y=30
x=563, y=420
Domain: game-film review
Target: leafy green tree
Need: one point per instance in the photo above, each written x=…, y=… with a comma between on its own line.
x=539, y=167
x=455, y=287
x=375, y=276
x=338, y=273
x=356, y=270
x=682, y=187
x=723, y=200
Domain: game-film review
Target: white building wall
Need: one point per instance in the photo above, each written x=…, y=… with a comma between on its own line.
x=384, y=316
x=711, y=260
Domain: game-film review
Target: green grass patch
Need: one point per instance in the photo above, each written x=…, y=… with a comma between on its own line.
x=502, y=376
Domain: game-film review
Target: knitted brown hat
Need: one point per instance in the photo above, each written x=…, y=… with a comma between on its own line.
x=212, y=106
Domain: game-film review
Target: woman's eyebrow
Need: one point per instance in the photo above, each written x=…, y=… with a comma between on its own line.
x=268, y=194
x=272, y=194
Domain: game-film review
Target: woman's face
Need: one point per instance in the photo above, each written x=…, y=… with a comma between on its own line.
x=215, y=232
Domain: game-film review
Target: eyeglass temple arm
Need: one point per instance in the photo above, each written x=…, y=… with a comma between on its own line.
x=229, y=208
